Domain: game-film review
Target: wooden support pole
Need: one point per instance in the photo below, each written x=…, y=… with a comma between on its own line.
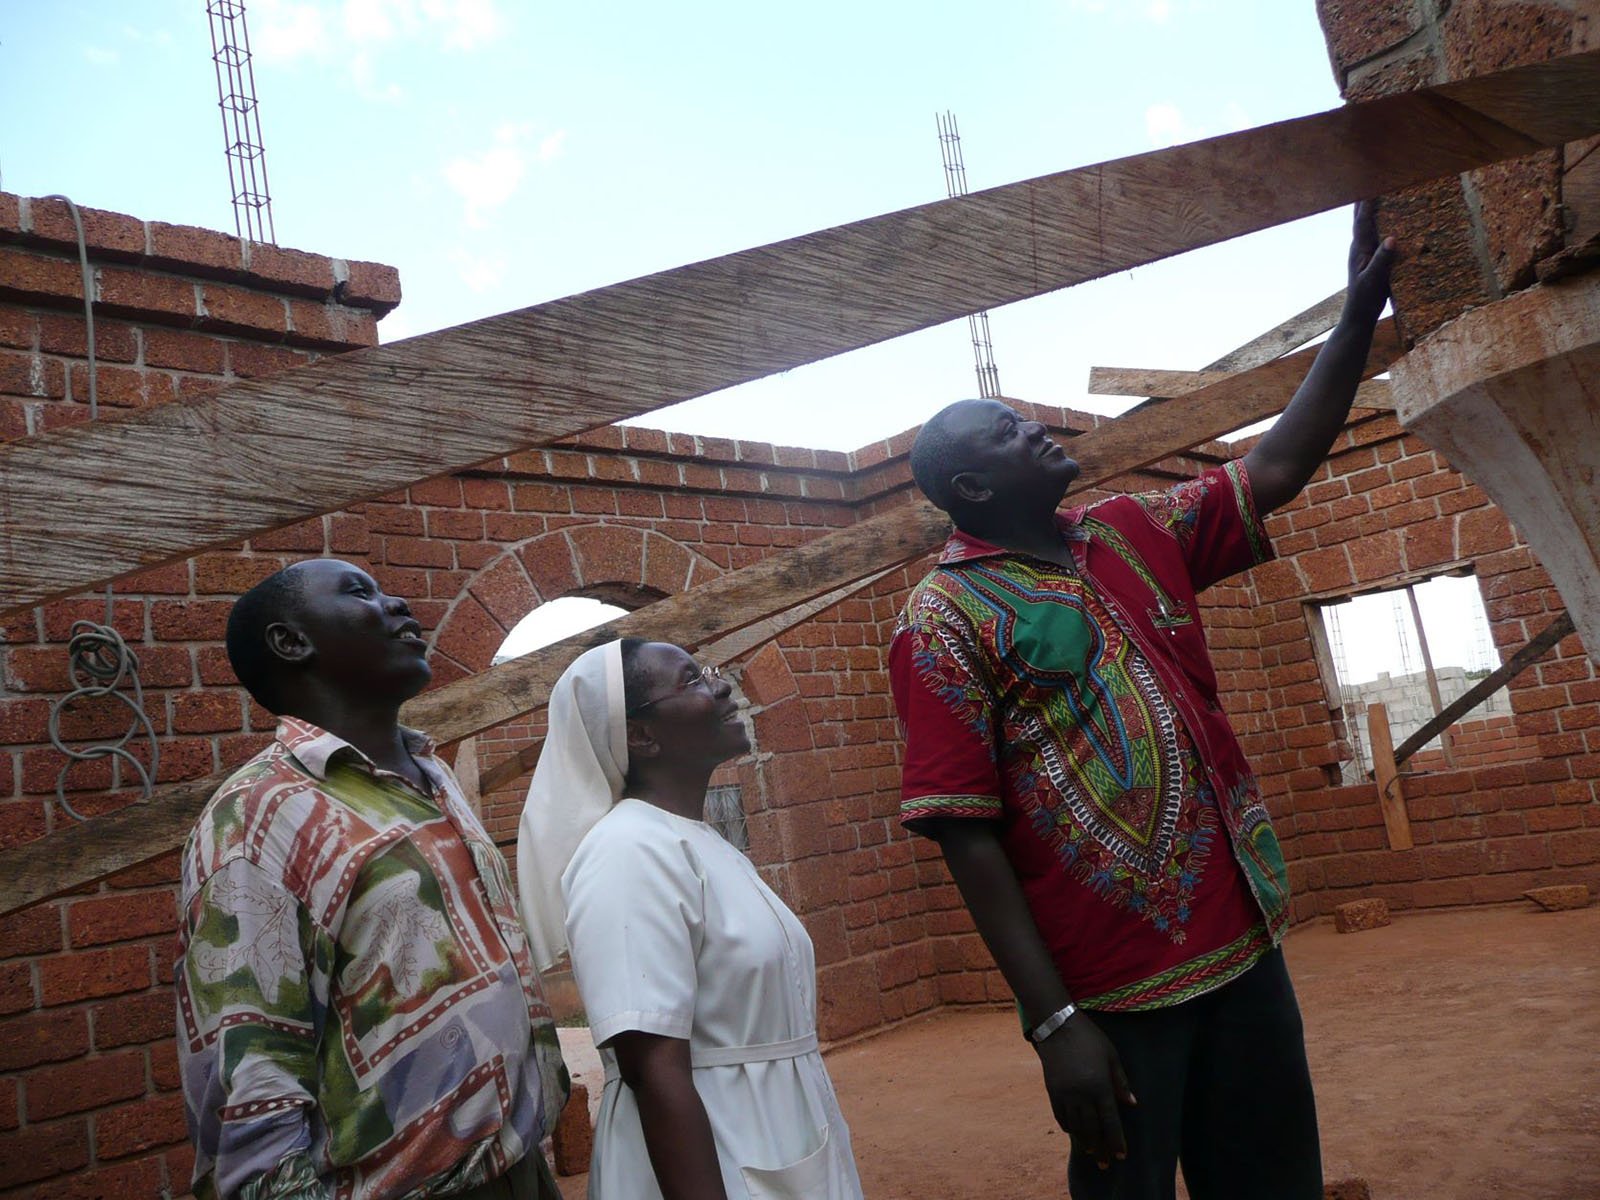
x=1386, y=773
x=1433, y=679
x=718, y=609
x=83, y=506
x=466, y=768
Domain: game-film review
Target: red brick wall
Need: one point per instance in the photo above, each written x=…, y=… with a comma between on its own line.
x=88, y=1099
x=87, y=1090
x=1384, y=510
x=1491, y=742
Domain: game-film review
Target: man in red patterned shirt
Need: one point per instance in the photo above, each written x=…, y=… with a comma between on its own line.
x=1066, y=748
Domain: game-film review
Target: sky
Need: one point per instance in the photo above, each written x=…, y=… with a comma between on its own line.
x=502, y=153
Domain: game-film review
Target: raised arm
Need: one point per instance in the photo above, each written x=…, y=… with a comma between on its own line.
x=1290, y=452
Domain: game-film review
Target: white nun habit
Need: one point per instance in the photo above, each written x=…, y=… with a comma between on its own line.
x=672, y=932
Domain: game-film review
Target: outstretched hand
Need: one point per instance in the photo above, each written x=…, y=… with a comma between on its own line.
x=1371, y=261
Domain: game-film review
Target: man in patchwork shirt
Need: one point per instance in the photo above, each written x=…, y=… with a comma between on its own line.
x=1065, y=747
x=358, y=1017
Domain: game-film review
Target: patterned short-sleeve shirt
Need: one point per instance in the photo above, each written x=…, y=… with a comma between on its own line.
x=1077, y=708
x=358, y=1014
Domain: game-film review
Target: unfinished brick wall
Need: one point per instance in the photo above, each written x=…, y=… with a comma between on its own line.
x=1383, y=511
x=88, y=1095
x=1472, y=239
x=88, y=1067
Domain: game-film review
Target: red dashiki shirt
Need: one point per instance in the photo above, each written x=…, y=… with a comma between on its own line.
x=1078, y=708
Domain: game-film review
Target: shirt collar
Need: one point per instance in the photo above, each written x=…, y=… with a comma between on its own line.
x=314, y=748
x=965, y=547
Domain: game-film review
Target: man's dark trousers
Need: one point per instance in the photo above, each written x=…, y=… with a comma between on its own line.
x=1223, y=1090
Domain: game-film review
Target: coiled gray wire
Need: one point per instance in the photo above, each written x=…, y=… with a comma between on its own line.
x=98, y=660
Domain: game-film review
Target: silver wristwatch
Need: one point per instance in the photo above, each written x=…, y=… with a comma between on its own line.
x=1051, y=1023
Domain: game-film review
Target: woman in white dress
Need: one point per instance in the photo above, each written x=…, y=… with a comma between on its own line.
x=699, y=983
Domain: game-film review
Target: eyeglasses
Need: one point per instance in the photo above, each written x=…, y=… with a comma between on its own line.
x=706, y=678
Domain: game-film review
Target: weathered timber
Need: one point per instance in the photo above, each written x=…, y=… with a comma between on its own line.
x=1510, y=394
x=1537, y=648
x=1386, y=774
x=715, y=654
x=718, y=609
x=1151, y=381
x=82, y=506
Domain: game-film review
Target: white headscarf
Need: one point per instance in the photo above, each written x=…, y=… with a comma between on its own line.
x=578, y=779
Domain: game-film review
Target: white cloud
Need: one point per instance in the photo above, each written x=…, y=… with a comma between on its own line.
x=1159, y=11
x=354, y=31
x=1166, y=125
x=100, y=56
x=283, y=31
x=479, y=274
x=488, y=180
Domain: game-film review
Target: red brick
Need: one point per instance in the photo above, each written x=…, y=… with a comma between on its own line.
x=181, y=350
x=131, y=1020
x=194, y=251
x=470, y=635
x=232, y=574
x=35, y=930
x=138, y=293
x=43, y=1037
x=40, y=1152
x=303, y=537
x=157, y=1121
x=55, y=1091
x=16, y=987
x=106, y=234
x=292, y=270
x=31, y=375
x=505, y=591
x=238, y=310
x=608, y=553
x=371, y=285
x=1577, y=847
x=33, y=276
x=417, y=552
x=136, y=1179
x=250, y=360
x=113, y=341
x=121, y=917
x=550, y=565
x=207, y=712
x=84, y=974
x=330, y=325
x=190, y=620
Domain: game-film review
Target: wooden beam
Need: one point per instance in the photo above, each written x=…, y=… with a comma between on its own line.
x=716, y=654
x=715, y=610
x=1150, y=381
x=1519, y=662
x=86, y=505
x=1386, y=773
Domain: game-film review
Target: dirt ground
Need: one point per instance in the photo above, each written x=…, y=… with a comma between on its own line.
x=1456, y=1057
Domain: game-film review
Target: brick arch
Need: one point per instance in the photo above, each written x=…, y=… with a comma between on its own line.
x=609, y=561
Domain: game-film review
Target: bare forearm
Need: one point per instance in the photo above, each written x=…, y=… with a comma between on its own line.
x=987, y=883
x=1290, y=452
x=677, y=1132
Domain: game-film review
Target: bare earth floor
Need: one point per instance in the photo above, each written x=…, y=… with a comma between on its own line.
x=1456, y=1056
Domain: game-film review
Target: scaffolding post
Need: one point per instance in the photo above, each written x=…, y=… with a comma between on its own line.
x=241, y=121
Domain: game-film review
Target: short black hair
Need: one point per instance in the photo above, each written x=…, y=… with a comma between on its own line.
x=938, y=455
x=635, y=684
x=274, y=599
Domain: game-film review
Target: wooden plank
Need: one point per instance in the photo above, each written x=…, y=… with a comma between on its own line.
x=1283, y=337
x=467, y=774
x=718, y=609
x=1519, y=662
x=86, y=505
x=1427, y=670
x=1150, y=381
x=717, y=654
x=1386, y=773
